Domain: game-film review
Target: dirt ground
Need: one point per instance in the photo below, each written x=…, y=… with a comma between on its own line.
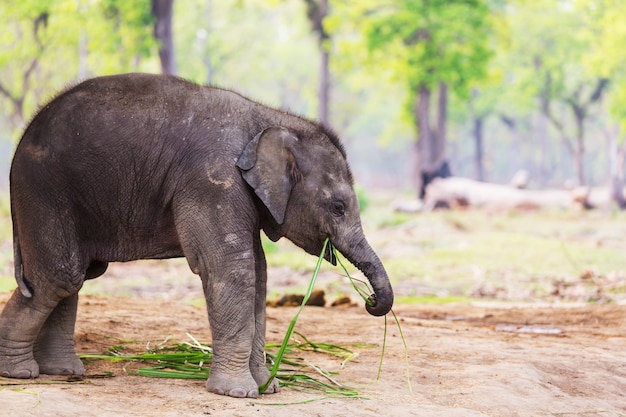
x=464, y=360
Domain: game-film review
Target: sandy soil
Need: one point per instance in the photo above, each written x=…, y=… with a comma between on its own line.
x=464, y=360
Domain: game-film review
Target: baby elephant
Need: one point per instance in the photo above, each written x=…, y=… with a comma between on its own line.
x=140, y=166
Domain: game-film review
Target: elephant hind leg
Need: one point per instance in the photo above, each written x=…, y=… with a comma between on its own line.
x=54, y=348
x=36, y=332
x=20, y=322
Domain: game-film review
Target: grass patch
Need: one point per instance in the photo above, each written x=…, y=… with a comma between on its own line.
x=394, y=219
x=453, y=252
x=191, y=360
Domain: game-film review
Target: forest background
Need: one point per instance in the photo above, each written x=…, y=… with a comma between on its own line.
x=487, y=87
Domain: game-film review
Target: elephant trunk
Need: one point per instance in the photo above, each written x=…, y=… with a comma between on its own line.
x=361, y=255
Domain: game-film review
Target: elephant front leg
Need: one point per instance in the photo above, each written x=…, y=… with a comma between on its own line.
x=54, y=348
x=20, y=323
x=258, y=366
x=230, y=302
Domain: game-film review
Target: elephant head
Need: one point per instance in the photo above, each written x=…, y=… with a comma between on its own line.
x=303, y=179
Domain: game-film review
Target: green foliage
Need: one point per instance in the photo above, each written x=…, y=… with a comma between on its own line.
x=122, y=29
x=494, y=54
x=263, y=51
x=46, y=44
x=548, y=39
x=605, y=34
x=451, y=254
x=617, y=100
x=418, y=44
x=428, y=42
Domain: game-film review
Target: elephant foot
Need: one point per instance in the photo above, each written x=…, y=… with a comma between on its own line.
x=18, y=368
x=261, y=374
x=238, y=387
x=62, y=366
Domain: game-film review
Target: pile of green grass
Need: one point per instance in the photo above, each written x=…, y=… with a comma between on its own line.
x=192, y=360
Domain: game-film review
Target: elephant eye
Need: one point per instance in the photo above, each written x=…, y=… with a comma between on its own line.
x=337, y=208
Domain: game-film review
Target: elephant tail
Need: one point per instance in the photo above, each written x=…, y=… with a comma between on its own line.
x=19, y=266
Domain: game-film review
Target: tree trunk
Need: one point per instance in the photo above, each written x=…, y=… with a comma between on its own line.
x=324, y=87
x=579, y=108
x=317, y=10
x=579, y=152
x=542, y=129
x=424, y=131
x=478, y=142
x=617, y=154
x=430, y=161
x=163, y=13
x=440, y=136
x=422, y=148
x=514, y=152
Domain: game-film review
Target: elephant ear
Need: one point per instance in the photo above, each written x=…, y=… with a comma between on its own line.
x=269, y=166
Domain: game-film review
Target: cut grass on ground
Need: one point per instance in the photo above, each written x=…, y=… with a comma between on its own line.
x=191, y=360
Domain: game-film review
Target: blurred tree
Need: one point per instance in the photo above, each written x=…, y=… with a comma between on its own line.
x=428, y=68
x=206, y=37
x=434, y=46
x=26, y=43
x=120, y=35
x=548, y=42
x=47, y=43
x=490, y=94
x=317, y=11
x=605, y=57
x=163, y=14
x=262, y=49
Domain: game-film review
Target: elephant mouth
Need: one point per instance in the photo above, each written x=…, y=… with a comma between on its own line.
x=314, y=247
x=329, y=253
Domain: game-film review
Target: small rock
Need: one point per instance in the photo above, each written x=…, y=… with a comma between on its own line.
x=317, y=299
x=342, y=301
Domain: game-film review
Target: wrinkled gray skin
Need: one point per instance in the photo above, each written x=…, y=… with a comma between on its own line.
x=146, y=167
